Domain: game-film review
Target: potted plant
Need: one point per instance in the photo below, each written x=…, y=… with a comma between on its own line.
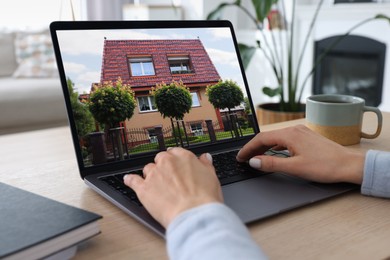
x=289, y=88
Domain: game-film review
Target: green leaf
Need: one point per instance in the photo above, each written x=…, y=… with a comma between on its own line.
x=382, y=16
x=262, y=8
x=216, y=14
x=271, y=92
x=246, y=53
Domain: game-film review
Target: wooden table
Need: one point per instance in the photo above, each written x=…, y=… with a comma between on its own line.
x=351, y=226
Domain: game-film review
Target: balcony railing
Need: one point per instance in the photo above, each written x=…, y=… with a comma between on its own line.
x=182, y=72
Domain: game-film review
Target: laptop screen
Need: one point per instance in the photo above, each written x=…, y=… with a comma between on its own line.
x=135, y=90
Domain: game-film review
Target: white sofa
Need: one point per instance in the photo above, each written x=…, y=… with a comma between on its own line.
x=27, y=101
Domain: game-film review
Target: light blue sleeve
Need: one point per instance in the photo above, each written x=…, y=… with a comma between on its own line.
x=376, y=178
x=212, y=231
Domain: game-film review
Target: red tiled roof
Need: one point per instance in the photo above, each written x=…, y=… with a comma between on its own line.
x=116, y=53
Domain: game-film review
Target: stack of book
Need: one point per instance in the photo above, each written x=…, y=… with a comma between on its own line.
x=35, y=227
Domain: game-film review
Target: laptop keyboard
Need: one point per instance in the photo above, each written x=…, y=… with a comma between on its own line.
x=227, y=168
x=116, y=182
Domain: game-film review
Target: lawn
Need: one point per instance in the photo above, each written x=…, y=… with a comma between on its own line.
x=170, y=142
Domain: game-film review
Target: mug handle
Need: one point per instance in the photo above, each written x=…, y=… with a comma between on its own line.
x=379, y=127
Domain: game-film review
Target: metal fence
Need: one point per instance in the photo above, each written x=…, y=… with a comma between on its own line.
x=122, y=143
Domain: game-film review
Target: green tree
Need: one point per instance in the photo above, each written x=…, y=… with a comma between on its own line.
x=111, y=103
x=173, y=101
x=247, y=106
x=83, y=117
x=225, y=94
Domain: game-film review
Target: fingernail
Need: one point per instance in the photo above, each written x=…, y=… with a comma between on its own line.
x=124, y=177
x=209, y=157
x=255, y=163
x=169, y=148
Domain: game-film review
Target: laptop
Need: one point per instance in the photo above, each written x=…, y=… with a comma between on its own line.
x=92, y=56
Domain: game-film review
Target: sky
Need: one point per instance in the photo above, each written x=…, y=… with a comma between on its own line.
x=82, y=50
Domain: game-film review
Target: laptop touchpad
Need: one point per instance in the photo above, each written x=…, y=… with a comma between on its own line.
x=257, y=198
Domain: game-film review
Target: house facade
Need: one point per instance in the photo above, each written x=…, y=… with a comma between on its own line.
x=144, y=63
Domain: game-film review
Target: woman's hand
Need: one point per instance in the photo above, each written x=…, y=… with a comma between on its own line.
x=175, y=182
x=313, y=156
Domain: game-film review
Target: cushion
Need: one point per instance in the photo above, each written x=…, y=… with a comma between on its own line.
x=7, y=53
x=35, y=56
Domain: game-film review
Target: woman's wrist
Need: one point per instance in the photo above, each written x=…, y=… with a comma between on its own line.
x=354, y=167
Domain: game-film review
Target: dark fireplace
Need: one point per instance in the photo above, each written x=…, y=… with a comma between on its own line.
x=354, y=66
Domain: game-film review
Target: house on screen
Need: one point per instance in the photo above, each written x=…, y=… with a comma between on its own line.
x=144, y=63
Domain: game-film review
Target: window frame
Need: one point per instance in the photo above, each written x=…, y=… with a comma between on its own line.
x=150, y=103
x=195, y=93
x=175, y=59
x=141, y=60
x=151, y=133
x=198, y=131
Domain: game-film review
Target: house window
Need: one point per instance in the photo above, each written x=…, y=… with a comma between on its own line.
x=196, y=129
x=179, y=64
x=195, y=99
x=152, y=135
x=141, y=66
x=146, y=104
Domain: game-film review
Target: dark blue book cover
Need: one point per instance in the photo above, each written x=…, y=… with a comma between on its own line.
x=34, y=225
